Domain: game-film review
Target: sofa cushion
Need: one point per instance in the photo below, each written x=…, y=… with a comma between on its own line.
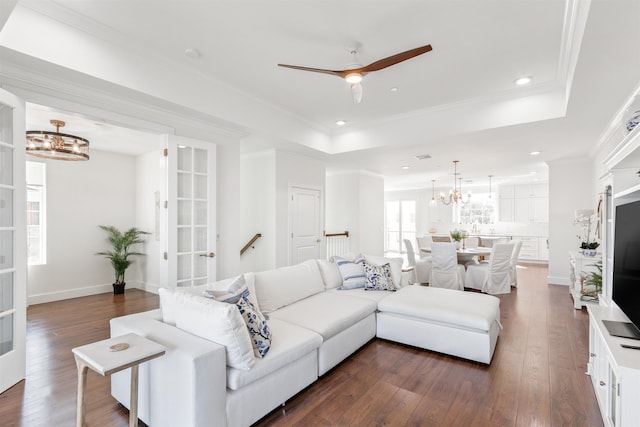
x=330, y=274
x=395, y=263
x=352, y=272
x=468, y=310
x=361, y=293
x=221, y=289
x=378, y=277
x=326, y=313
x=286, y=285
x=289, y=343
x=218, y=322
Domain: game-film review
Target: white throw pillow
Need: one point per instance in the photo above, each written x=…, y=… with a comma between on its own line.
x=330, y=274
x=219, y=322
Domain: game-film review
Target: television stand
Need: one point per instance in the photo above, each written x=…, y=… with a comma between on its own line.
x=622, y=329
x=614, y=370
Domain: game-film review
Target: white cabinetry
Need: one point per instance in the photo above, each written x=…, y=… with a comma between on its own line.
x=614, y=370
x=533, y=248
x=523, y=203
x=578, y=266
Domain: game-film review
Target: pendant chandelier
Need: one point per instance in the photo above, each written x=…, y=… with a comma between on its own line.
x=455, y=194
x=56, y=145
x=433, y=193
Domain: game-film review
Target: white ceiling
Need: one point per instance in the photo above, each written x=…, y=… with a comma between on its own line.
x=457, y=102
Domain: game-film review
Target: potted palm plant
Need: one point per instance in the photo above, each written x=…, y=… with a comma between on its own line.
x=120, y=252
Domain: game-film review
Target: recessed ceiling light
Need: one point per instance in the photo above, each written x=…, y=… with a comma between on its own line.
x=192, y=53
x=405, y=167
x=341, y=123
x=535, y=153
x=394, y=89
x=523, y=81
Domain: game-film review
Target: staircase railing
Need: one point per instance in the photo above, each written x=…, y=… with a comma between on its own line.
x=337, y=243
x=246, y=247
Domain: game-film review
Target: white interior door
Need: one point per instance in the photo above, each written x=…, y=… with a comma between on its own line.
x=306, y=224
x=13, y=241
x=191, y=212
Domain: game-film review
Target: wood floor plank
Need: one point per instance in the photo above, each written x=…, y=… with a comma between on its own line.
x=536, y=377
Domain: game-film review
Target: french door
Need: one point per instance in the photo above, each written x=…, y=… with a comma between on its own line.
x=13, y=241
x=191, y=212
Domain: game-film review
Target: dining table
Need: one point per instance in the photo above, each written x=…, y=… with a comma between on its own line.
x=466, y=254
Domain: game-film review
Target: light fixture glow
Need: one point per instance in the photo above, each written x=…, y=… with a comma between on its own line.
x=455, y=194
x=341, y=123
x=535, y=153
x=353, y=78
x=394, y=89
x=406, y=167
x=523, y=81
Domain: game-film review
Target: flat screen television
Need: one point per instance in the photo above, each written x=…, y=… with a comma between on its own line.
x=626, y=270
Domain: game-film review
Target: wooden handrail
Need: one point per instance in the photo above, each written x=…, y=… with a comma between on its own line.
x=346, y=233
x=250, y=244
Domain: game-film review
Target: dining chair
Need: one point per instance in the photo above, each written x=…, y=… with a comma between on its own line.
x=493, y=277
x=445, y=270
x=423, y=242
x=472, y=242
x=441, y=239
x=421, y=268
x=517, y=244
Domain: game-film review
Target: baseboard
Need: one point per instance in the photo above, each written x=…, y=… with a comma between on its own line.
x=149, y=287
x=83, y=292
x=555, y=280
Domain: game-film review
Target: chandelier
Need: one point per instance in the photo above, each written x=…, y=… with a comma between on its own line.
x=56, y=145
x=455, y=194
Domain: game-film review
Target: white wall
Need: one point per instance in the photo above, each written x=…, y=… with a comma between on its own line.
x=257, y=210
x=570, y=188
x=81, y=196
x=148, y=182
x=355, y=203
x=228, y=201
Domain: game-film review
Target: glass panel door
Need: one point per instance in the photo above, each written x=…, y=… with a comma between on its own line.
x=12, y=241
x=191, y=212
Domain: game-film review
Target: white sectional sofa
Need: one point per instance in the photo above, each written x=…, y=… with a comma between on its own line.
x=314, y=326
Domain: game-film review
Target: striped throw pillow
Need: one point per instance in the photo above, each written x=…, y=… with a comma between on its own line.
x=352, y=272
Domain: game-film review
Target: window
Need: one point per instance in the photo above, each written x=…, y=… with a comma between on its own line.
x=481, y=209
x=400, y=224
x=36, y=230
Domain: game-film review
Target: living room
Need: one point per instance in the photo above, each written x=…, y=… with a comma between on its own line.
x=262, y=153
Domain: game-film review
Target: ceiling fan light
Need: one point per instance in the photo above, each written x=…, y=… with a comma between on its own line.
x=353, y=78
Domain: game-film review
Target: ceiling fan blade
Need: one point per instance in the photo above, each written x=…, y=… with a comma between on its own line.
x=340, y=73
x=394, y=59
x=356, y=93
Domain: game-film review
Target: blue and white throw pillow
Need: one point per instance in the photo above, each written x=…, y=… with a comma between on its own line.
x=257, y=325
x=352, y=272
x=378, y=277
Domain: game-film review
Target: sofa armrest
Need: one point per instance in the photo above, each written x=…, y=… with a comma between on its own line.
x=186, y=386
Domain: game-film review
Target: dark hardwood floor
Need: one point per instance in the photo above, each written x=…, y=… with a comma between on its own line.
x=537, y=376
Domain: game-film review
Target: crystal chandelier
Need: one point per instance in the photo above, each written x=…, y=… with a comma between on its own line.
x=56, y=145
x=455, y=194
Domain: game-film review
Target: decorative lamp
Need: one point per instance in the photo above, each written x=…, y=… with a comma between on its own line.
x=56, y=145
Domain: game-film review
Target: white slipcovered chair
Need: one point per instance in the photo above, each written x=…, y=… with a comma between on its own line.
x=424, y=242
x=514, y=262
x=472, y=242
x=420, y=268
x=493, y=277
x=445, y=270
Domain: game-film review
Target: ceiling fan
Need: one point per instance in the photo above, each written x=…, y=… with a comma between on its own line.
x=354, y=73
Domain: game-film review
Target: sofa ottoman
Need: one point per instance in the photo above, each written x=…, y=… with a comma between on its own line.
x=463, y=324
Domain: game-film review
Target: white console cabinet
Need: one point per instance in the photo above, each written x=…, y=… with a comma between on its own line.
x=614, y=370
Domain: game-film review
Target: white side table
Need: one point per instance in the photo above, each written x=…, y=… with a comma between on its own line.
x=101, y=358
